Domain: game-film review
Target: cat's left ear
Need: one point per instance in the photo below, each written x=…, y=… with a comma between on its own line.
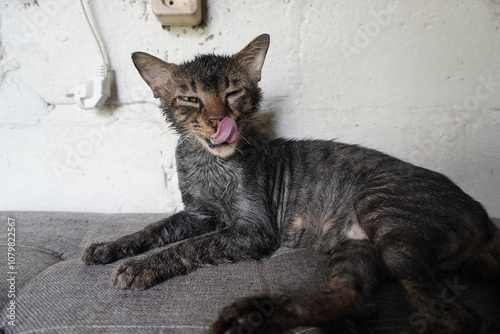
x=253, y=56
x=156, y=72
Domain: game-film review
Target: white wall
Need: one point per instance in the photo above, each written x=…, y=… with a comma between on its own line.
x=419, y=80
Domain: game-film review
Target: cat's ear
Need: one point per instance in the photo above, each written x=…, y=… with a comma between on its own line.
x=253, y=55
x=156, y=72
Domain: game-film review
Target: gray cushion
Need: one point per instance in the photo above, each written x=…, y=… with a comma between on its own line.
x=56, y=293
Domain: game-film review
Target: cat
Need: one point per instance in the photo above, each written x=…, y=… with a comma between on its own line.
x=375, y=216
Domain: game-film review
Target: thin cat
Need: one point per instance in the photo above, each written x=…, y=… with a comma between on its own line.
x=376, y=217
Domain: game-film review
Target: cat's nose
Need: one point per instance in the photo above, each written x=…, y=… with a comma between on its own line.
x=214, y=121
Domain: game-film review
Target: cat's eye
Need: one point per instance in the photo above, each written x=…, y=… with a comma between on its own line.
x=189, y=99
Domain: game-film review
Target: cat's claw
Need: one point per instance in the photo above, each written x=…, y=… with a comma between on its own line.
x=134, y=275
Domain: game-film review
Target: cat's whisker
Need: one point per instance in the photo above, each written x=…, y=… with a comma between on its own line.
x=265, y=123
x=147, y=142
x=242, y=137
x=185, y=137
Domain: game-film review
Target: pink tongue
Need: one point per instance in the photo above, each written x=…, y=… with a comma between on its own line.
x=226, y=132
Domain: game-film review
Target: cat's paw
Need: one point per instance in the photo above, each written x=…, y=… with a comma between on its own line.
x=135, y=275
x=248, y=315
x=99, y=253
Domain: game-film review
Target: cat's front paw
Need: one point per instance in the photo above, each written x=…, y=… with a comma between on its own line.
x=135, y=275
x=99, y=253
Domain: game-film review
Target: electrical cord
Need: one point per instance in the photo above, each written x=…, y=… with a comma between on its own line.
x=89, y=17
x=93, y=94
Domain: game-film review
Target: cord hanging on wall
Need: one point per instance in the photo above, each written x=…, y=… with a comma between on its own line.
x=93, y=94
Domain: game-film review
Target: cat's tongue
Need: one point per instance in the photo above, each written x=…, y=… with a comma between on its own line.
x=227, y=132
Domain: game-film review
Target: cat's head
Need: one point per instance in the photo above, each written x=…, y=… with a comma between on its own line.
x=211, y=96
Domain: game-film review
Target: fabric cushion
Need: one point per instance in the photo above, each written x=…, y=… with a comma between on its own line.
x=56, y=293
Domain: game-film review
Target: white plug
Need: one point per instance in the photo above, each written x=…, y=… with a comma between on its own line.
x=93, y=94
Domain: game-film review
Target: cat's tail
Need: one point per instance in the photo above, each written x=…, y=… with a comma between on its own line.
x=355, y=271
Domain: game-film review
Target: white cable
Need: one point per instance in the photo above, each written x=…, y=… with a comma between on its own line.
x=93, y=94
x=89, y=17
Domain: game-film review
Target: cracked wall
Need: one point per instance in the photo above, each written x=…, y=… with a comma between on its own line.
x=417, y=80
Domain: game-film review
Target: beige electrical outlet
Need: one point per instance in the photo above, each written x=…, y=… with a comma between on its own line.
x=178, y=12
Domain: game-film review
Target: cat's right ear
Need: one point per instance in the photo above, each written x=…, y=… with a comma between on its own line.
x=156, y=72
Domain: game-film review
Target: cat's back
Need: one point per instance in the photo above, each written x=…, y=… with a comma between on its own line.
x=330, y=156
x=327, y=182
x=341, y=168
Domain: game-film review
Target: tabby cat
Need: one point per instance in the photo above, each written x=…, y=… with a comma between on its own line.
x=376, y=217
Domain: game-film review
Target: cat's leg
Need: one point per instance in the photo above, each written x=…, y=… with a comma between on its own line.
x=484, y=266
x=355, y=272
x=177, y=227
x=421, y=223
x=438, y=310
x=228, y=245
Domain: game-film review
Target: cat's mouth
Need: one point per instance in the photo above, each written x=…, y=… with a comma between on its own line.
x=223, y=150
x=225, y=139
x=212, y=143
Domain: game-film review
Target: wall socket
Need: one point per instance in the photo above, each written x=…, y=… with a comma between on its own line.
x=178, y=12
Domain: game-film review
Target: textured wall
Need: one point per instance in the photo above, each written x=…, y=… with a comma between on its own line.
x=419, y=80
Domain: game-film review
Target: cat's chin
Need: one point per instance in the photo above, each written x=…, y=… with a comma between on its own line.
x=223, y=150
